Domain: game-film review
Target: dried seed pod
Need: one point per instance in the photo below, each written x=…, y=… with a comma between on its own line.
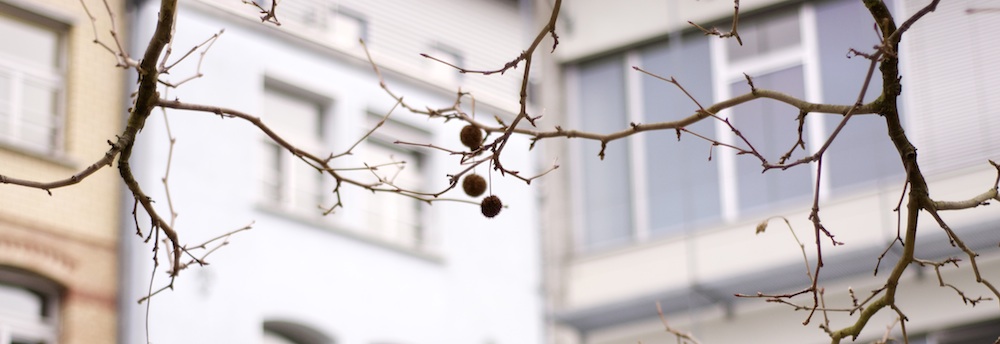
x=471, y=137
x=491, y=206
x=474, y=185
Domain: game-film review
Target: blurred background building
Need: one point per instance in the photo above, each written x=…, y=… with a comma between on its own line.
x=60, y=101
x=385, y=268
x=658, y=220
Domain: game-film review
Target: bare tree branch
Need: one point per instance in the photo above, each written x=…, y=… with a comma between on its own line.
x=733, y=31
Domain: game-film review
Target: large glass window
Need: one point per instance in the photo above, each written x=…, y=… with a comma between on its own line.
x=652, y=185
x=775, y=54
x=682, y=183
x=31, y=85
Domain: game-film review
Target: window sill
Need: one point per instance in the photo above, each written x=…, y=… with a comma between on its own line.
x=316, y=220
x=59, y=158
x=747, y=218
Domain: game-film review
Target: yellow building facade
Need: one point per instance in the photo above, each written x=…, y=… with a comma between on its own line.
x=60, y=102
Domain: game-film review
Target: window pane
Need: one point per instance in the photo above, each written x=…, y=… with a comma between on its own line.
x=21, y=303
x=38, y=106
x=299, y=119
x=394, y=217
x=606, y=184
x=346, y=27
x=27, y=42
x=765, y=34
x=842, y=76
x=683, y=184
x=772, y=128
x=864, y=138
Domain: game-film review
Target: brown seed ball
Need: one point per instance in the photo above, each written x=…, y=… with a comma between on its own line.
x=491, y=206
x=474, y=185
x=471, y=137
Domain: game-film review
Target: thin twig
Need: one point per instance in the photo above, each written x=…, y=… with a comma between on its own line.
x=681, y=335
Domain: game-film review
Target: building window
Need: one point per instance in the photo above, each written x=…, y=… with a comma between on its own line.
x=651, y=185
x=774, y=56
x=794, y=62
x=30, y=306
x=392, y=217
x=345, y=27
x=607, y=193
x=441, y=72
x=646, y=185
x=31, y=85
x=338, y=25
x=681, y=182
x=287, y=181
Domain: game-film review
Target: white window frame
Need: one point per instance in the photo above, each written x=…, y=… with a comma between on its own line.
x=22, y=73
x=637, y=148
x=726, y=73
x=804, y=54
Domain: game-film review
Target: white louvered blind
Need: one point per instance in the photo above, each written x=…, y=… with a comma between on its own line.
x=952, y=82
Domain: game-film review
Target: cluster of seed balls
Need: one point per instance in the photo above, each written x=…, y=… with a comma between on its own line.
x=474, y=184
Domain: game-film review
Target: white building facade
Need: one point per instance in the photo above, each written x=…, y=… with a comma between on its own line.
x=674, y=221
x=382, y=269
